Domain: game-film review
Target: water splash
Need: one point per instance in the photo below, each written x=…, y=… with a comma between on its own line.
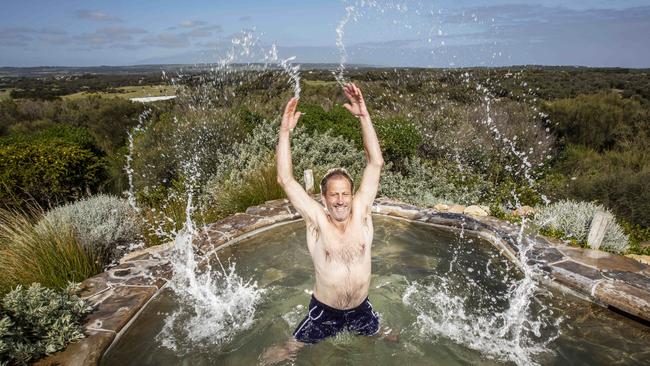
x=142, y=118
x=343, y=54
x=516, y=326
x=217, y=305
x=293, y=71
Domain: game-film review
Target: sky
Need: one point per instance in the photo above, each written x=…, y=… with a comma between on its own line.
x=445, y=33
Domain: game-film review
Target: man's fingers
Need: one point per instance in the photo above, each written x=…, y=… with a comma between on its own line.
x=358, y=91
x=348, y=107
x=291, y=106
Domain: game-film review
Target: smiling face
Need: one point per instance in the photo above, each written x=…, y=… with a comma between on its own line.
x=338, y=197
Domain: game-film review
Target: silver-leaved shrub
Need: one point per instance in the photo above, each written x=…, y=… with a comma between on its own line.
x=316, y=151
x=38, y=321
x=573, y=220
x=105, y=224
x=426, y=183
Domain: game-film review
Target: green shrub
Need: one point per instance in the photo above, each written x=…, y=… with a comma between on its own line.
x=45, y=253
x=637, y=235
x=572, y=221
x=338, y=121
x=399, y=138
x=105, y=225
x=52, y=166
x=601, y=121
x=38, y=321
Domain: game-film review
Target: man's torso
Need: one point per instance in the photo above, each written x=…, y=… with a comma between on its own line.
x=342, y=260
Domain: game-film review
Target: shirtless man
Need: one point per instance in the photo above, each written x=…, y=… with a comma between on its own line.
x=339, y=236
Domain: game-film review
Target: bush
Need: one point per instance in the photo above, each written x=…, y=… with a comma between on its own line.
x=399, y=138
x=572, y=219
x=338, y=120
x=105, y=225
x=38, y=321
x=426, y=183
x=618, y=179
x=601, y=121
x=56, y=165
x=504, y=142
x=46, y=253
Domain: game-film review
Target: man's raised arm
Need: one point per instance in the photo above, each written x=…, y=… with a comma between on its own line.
x=307, y=207
x=370, y=180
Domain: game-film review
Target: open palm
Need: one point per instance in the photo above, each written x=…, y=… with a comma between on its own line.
x=357, y=105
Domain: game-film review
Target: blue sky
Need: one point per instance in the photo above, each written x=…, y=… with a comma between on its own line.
x=388, y=33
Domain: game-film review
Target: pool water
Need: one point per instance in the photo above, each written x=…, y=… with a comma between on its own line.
x=442, y=294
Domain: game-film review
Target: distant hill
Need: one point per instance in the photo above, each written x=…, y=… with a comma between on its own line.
x=50, y=71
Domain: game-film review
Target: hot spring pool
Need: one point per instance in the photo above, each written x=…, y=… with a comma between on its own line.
x=451, y=298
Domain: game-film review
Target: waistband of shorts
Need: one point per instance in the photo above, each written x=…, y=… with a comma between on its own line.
x=335, y=310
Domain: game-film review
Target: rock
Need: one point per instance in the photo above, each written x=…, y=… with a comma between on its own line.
x=457, y=209
x=474, y=211
x=640, y=258
x=86, y=352
x=523, y=211
x=485, y=208
x=441, y=207
x=622, y=296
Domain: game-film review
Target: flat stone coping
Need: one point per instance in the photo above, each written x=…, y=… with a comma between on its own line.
x=120, y=293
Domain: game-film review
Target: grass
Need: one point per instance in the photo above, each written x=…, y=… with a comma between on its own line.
x=43, y=253
x=256, y=187
x=128, y=92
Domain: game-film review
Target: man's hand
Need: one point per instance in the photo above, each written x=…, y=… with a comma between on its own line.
x=357, y=105
x=290, y=116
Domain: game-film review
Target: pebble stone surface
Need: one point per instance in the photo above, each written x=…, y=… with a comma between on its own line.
x=118, y=294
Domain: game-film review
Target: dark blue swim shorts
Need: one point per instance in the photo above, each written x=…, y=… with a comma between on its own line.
x=323, y=321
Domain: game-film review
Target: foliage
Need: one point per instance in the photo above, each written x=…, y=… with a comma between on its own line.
x=163, y=211
x=637, y=235
x=505, y=142
x=255, y=186
x=399, y=138
x=37, y=321
x=248, y=175
x=618, y=179
x=572, y=220
x=103, y=224
x=49, y=171
x=427, y=183
x=45, y=253
x=337, y=121
x=601, y=121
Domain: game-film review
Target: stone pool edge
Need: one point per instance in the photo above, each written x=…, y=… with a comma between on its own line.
x=119, y=294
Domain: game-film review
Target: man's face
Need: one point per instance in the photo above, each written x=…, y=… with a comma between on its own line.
x=338, y=198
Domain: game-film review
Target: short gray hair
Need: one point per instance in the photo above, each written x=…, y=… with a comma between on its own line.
x=335, y=172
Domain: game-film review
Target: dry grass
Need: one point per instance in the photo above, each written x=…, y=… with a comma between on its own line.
x=44, y=253
x=127, y=92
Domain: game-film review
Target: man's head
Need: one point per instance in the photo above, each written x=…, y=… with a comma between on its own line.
x=337, y=188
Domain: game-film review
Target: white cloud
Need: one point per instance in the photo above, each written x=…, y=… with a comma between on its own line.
x=97, y=16
x=192, y=23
